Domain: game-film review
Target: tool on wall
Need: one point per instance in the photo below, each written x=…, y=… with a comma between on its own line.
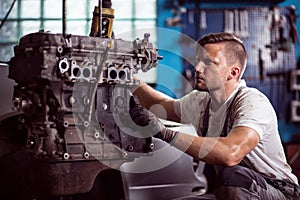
x=177, y=10
x=236, y=21
x=281, y=39
x=260, y=65
x=295, y=89
x=203, y=24
x=292, y=22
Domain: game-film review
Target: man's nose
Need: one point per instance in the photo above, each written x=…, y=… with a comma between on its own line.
x=199, y=67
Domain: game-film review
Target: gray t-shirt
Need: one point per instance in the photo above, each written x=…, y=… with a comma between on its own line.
x=252, y=109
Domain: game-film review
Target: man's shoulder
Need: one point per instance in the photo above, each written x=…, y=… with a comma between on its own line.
x=196, y=94
x=253, y=98
x=251, y=92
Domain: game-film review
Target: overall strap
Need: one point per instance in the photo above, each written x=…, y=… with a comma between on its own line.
x=205, y=121
x=229, y=112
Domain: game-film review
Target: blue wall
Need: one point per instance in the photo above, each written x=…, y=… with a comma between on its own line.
x=171, y=51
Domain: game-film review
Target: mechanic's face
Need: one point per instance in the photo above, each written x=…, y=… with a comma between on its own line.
x=211, y=70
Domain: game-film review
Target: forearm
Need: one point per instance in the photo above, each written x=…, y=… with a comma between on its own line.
x=212, y=150
x=161, y=105
x=147, y=95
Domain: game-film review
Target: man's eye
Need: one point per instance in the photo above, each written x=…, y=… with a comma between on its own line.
x=208, y=61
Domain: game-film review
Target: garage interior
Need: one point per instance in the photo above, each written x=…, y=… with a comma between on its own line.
x=269, y=30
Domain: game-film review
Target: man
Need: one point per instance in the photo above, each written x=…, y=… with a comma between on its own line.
x=237, y=125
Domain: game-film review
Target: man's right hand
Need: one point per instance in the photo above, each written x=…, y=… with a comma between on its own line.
x=149, y=123
x=143, y=118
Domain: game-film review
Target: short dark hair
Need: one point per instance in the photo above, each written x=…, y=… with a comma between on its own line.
x=234, y=47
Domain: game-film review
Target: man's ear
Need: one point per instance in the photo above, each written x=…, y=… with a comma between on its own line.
x=234, y=73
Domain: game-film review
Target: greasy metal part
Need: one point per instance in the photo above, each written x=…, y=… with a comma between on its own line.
x=70, y=99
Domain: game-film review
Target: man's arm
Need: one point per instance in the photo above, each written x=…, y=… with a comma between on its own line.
x=161, y=105
x=227, y=151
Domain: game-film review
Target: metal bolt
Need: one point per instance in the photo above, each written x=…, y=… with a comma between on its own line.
x=151, y=146
x=97, y=135
x=130, y=148
x=86, y=101
x=86, y=123
x=66, y=156
x=86, y=155
x=72, y=100
x=66, y=124
x=104, y=106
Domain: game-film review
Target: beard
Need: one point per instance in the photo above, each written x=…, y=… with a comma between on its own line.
x=200, y=85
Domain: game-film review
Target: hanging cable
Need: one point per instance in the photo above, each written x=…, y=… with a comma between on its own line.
x=6, y=16
x=64, y=17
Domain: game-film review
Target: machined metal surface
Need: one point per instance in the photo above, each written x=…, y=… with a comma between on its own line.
x=70, y=91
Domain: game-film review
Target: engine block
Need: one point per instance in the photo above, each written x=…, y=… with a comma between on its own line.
x=72, y=91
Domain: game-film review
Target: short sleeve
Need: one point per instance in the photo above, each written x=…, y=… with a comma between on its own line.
x=254, y=110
